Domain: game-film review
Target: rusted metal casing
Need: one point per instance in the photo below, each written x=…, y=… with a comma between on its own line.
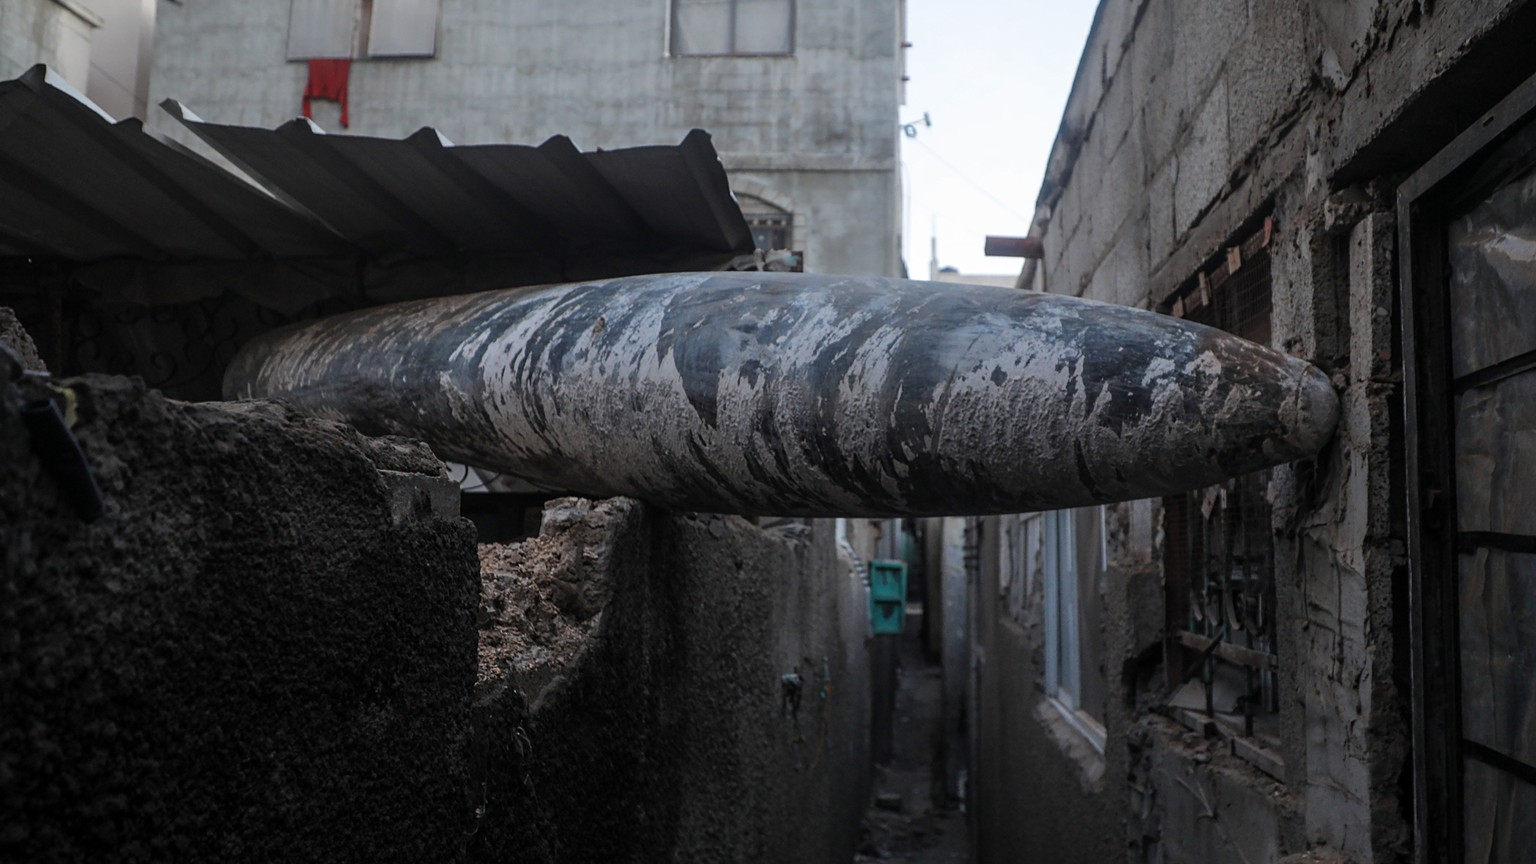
x=796, y=394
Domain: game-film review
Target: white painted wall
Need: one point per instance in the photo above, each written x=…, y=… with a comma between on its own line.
x=816, y=129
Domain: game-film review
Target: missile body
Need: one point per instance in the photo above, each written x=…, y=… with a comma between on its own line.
x=801, y=394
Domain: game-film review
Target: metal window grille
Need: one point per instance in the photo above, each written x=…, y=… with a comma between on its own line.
x=1219, y=550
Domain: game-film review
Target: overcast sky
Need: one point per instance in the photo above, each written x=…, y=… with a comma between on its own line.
x=993, y=75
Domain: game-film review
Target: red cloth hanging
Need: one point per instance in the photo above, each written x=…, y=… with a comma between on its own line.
x=328, y=80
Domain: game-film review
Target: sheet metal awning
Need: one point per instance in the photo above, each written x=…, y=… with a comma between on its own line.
x=80, y=187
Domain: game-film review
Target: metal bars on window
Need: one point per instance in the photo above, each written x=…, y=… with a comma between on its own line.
x=1218, y=556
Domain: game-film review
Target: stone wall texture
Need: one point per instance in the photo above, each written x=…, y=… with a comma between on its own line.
x=666, y=738
x=1189, y=124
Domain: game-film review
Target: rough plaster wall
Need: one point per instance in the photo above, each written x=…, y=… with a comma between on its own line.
x=45, y=31
x=1040, y=791
x=1414, y=76
x=268, y=634
x=818, y=126
x=1351, y=557
x=667, y=740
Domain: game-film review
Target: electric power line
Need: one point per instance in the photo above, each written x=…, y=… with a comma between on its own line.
x=972, y=183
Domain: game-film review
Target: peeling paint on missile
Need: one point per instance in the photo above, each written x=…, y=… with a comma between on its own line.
x=769, y=393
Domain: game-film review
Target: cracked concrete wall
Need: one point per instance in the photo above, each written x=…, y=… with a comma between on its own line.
x=1190, y=122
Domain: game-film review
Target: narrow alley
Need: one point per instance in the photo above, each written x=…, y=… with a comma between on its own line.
x=913, y=819
x=767, y=431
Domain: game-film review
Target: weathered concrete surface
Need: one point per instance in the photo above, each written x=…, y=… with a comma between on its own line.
x=791, y=394
x=1030, y=761
x=665, y=738
x=1198, y=803
x=1190, y=123
x=250, y=658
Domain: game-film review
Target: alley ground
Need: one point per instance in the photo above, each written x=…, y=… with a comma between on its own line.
x=912, y=820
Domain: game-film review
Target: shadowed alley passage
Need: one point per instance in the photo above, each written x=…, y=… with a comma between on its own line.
x=912, y=819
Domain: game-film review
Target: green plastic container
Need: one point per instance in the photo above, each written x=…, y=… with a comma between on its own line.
x=887, y=597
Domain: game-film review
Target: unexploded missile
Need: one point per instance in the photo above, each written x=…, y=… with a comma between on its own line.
x=800, y=394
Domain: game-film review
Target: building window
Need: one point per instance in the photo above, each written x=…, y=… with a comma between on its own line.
x=771, y=226
x=363, y=28
x=1072, y=560
x=732, y=27
x=1219, y=549
x=1466, y=224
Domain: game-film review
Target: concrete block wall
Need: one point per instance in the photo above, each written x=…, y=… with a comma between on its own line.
x=819, y=125
x=1190, y=122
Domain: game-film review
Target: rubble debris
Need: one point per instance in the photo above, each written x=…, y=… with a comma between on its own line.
x=16, y=336
x=542, y=599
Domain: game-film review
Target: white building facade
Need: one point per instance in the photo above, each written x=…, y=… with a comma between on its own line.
x=55, y=32
x=801, y=96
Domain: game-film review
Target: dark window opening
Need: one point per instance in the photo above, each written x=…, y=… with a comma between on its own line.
x=1219, y=549
x=1467, y=231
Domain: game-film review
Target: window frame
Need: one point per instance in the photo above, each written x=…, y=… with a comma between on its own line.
x=360, y=39
x=1475, y=163
x=672, y=49
x=1062, y=578
x=1223, y=296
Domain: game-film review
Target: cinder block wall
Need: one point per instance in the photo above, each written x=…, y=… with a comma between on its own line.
x=1190, y=122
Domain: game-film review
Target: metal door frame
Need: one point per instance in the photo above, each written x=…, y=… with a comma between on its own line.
x=1499, y=144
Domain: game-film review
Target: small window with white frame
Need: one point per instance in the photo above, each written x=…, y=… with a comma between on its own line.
x=732, y=27
x=1073, y=558
x=323, y=29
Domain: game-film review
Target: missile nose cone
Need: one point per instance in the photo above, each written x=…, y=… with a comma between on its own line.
x=1309, y=415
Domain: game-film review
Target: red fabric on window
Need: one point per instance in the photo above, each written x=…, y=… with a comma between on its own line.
x=328, y=80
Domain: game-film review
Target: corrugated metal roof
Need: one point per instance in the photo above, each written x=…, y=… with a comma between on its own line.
x=80, y=187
